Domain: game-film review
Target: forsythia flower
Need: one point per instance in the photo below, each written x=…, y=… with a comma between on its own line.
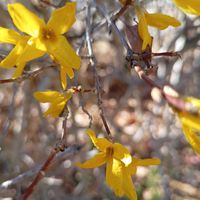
x=119, y=165
x=12, y=37
x=43, y=38
x=157, y=20
x=188, y=6
x=191, y=124
x=57, y=101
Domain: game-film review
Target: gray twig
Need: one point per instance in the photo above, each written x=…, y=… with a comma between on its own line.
x=69, y=151
x=93, y=63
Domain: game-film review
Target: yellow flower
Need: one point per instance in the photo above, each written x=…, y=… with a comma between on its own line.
x=57, y=101
x=191, y=124
x=157, y=20
x=119, y=165
x=189, y=6
x=43, y=38
x=12, y=37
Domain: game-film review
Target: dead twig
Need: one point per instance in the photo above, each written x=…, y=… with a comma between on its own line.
x=93, y=63
x=61, y=156
x=25, y=76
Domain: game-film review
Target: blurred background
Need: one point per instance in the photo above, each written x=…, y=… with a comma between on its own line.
x=145, y=125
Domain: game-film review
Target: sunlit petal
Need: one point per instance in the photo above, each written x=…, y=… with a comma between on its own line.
x=190, y=120
x=189, y=6
x=64, y=53
x=143, y=29
x=62, y=19
x=129, y=188
x=147, y=162
x=194, y=101
x=19, y=70
x=9, y=36
x=114, y=176
x=100, y=143
x=122, y=153
x=11, y=58
x=132, y=168
x=192, y=138
x=47, y=96
x=98, y=160
x=64, y=71
x=55, y=109
x=25, y=20
x=161, y=21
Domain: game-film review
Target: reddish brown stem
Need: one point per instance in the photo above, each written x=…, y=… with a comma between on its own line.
x=176, y=102
x=142, y=76
x=40, y=174
x=122, y=10
x=106, y=126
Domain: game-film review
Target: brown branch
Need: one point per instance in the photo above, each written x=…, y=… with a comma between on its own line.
x=122, y=10
x=60, y=157
x=25, y=76
x=49, y=3
x=40, y=174
x=173, y=100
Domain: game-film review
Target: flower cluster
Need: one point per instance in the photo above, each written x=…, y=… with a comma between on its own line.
x=38, y=38
x=41, y=38
x=120, y=165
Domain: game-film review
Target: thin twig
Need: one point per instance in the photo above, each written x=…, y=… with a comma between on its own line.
x=102, y=11
x=176, y=102
x=43, y=169
x=40, y=174
x=93, y=65
x=49, y=3
x=82, y=104
x=25, y=76
x=61, y=156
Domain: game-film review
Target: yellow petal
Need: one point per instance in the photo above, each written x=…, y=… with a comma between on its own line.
x=143, y=29
x=68, y=95
x=100, y=143
x=64, y=53
x=192, y=138
x=29, y=53
x=19, y=70
x=161, y=21
x=114, y=176
x=190, y=120
x=25, y=20
x=122, y=153
x=47, y=96
x=38, y=43
x=189, y=6
x=64, y=71
x=55, y=109
x=147, y=162
x=9, y=36
x=98, y=160
x=11, y=59
x=62, y=19
x=132, y=168
x=194, y=101
x=129, y=188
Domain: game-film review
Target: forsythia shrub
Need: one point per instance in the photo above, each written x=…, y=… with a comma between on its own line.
x=36, y=38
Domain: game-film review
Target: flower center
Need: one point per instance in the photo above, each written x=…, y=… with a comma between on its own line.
x=48, y=34
x=109, y=152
